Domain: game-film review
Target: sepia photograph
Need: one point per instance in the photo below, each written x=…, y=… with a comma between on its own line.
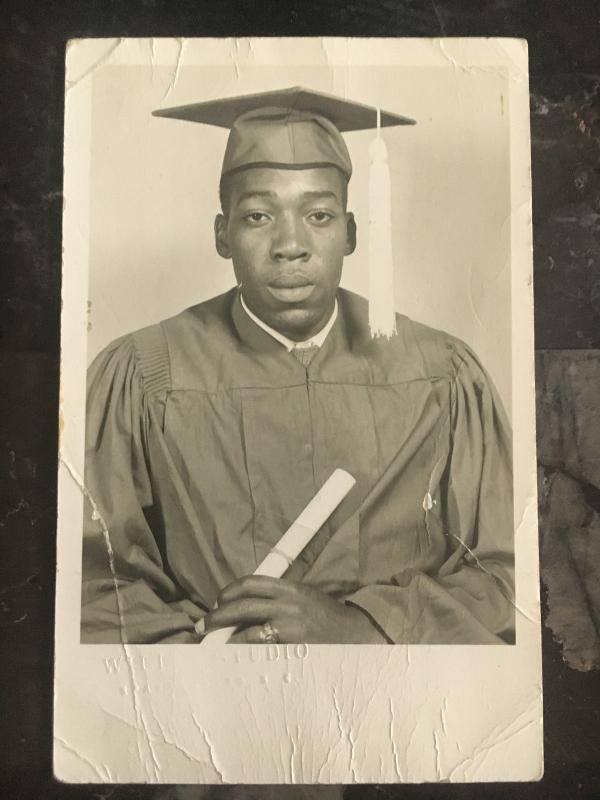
x=297, y=336
x=209, y=433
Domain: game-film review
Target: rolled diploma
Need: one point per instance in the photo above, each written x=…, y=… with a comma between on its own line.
x=297, y=536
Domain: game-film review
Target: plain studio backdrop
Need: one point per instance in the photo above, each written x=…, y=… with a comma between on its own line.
x=154, y=195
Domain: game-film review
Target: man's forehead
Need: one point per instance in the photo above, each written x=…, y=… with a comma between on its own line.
x=273, y=183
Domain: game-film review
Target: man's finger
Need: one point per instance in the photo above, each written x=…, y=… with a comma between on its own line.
x=255, y=586
x=252, y=635
x=244, y=611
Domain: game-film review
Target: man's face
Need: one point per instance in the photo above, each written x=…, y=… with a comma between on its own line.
x=287, y=232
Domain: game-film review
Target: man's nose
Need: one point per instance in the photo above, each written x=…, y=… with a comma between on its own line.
x=290, y=242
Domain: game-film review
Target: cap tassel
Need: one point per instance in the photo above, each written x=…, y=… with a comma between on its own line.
x=382, y=314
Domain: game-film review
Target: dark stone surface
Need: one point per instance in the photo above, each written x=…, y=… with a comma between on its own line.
x=568, y=414
x=568, y=444
x=565, y=65
x=566, y=172
x=570, y=559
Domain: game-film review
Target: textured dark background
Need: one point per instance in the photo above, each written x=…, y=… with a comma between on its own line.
x=564, y=42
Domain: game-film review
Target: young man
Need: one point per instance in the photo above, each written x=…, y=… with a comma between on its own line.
x=208, y=433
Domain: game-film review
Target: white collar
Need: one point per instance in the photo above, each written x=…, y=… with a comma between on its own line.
x=289, y=344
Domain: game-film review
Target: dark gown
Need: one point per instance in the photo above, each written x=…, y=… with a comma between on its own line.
x=205, y=438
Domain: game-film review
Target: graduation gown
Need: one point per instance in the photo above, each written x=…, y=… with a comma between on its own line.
x=205, y=438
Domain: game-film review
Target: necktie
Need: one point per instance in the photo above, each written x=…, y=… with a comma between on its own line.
x=304, y=354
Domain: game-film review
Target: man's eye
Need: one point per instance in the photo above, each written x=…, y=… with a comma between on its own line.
x=320, y=217
x=256, y=217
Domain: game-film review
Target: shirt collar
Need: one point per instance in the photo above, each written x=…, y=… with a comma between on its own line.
x=289, y=344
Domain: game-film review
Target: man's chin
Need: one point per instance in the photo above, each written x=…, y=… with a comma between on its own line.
x=297, y=323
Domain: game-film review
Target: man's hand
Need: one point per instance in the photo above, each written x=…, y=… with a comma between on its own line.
x=299, y=613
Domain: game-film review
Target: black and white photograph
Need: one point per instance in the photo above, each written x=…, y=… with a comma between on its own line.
x=298, y=382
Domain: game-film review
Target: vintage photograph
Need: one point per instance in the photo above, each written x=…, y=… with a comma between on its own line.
x=297, y=414
x=210, y=431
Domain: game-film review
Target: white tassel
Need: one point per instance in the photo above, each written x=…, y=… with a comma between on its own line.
x=382, y=315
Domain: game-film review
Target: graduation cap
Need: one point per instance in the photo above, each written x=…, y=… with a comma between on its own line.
x=297, y=128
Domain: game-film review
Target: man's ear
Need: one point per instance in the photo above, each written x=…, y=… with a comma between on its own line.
x=350, y=234
x=222, y=237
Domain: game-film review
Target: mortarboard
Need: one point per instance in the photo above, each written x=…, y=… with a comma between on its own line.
x=298, y=128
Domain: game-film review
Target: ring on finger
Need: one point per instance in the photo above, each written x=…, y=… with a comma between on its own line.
x=268, y=634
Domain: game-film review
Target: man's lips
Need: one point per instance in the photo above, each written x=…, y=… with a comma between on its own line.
x=292, y=281
x=291, y=288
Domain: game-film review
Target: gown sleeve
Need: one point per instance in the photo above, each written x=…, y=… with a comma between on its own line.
x=468, y=597
x=127, y=594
